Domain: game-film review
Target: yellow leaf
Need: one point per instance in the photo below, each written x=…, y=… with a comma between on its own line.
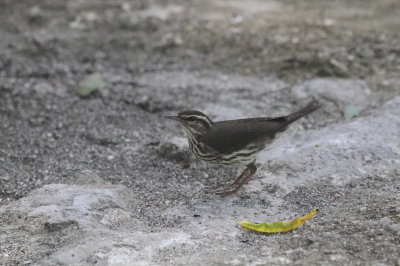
x=277, y=227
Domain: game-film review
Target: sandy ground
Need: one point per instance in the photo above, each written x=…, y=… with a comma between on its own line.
x=105, y=179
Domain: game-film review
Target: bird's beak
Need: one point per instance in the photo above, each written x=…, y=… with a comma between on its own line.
x=173, y=117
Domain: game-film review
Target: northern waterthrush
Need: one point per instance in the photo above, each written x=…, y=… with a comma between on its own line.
x=234, y=141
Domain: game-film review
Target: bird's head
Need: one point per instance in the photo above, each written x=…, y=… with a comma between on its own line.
x=194, y=122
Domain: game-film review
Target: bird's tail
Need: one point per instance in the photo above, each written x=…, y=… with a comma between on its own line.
x=311, y=107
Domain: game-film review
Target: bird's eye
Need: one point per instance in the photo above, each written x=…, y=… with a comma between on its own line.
x=192, y=118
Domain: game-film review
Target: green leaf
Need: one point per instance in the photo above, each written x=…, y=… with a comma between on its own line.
x=350, y=111
x=90, y=84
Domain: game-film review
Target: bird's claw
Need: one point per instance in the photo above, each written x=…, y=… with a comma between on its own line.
x=227, y=191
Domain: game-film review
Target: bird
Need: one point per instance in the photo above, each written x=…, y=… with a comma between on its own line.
x=234, y=142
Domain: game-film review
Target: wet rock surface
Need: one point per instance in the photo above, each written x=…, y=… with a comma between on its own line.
x=105, y=179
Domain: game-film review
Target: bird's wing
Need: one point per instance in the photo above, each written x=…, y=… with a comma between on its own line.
x=232, y=135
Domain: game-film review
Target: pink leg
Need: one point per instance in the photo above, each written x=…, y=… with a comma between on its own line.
x=254, y=161
x=235, y=186
x=240, y=177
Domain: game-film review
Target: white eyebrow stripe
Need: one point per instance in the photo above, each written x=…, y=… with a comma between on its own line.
x=199, y=117
x=207, y=121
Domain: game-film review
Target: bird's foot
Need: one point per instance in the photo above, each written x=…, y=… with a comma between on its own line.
x=228, y=191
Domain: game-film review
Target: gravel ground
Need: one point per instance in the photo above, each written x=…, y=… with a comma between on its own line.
x=105, y=179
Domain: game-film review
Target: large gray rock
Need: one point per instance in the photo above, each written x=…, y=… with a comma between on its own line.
x=58, y=217
x=343, y=97
x=340, y=91
x=364, y=146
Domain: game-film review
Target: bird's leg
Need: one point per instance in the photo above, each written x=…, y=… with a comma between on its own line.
x=241, y=175
x=253, y=163
x=227, y=191
x=239, y=178
x=237, y=181
x=253, y=169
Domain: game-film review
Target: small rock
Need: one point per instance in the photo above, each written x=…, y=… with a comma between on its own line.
x=385, y=221
x=238, y=20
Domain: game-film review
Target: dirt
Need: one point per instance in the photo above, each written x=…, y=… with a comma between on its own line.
x=229, y=58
